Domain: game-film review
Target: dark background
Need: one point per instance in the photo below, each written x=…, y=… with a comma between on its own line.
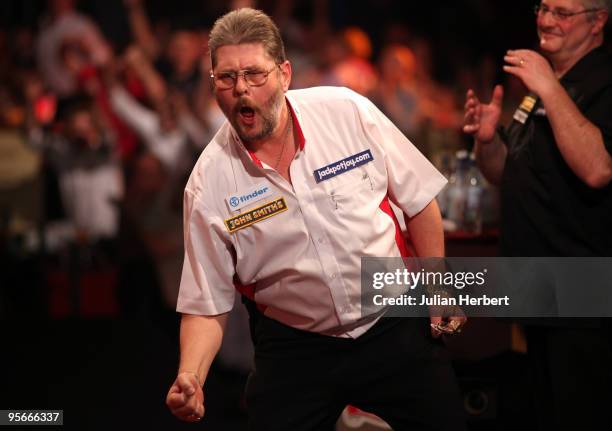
x=113, y=372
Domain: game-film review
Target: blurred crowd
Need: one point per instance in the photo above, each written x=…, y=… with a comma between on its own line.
x=97, y=139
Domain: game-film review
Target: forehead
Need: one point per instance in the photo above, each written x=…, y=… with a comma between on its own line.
x=234, y=57
x=563, y=4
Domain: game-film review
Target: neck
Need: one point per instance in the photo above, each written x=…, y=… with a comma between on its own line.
x=279, y=136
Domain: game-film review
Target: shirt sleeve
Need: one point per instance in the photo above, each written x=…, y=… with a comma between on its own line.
x=166, y=146
x=599, y=115
x=207, y=280
x=139, y=118
x=413, y=182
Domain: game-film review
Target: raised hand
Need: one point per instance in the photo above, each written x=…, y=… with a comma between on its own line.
x=480, y=120
x=531, y=68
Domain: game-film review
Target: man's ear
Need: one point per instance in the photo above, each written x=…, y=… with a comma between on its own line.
x=601, y=18
x=285, y=69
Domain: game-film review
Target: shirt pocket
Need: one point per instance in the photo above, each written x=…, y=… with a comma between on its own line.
x=354, y=191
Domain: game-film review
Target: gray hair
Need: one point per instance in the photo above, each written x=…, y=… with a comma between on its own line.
x=246, y=25
x=598, y=4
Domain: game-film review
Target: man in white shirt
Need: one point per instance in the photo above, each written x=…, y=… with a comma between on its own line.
x=292, y=191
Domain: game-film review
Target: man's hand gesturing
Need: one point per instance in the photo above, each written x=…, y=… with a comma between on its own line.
x=480, y=120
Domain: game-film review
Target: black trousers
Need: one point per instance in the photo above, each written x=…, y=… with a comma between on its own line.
x=572, y=377
x=302, y=381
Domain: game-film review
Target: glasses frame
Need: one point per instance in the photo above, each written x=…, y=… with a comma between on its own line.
x=557, y=15
x=244, y=73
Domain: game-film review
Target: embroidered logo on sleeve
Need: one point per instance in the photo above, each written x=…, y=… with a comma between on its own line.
x=248, y=196
x=342, y=166
x=524, y=109
x=255, y=215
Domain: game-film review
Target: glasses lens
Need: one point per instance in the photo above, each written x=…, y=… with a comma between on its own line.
x=224, y=81
x=255, y=78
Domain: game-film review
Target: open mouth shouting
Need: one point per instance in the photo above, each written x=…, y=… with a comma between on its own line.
x=246, y=115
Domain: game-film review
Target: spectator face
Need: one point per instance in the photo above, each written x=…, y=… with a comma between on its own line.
x=252, y=110
x=397, y=64
x=82, y=129
x=184, y=52
x=566, y=37
x=167, y=117
x=32, y=85
x=149, y=177
x=73, y=56
x=11, y=115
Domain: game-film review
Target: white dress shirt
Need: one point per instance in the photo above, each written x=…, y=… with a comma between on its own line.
x=300, y=260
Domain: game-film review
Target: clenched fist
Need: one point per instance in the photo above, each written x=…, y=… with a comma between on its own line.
x=185, y=398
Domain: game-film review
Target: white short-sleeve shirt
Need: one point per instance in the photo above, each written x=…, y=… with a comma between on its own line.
x=296, y=248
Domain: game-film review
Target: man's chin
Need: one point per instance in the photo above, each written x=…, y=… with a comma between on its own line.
x=253, y=133
x=244, y=131
x=249, y=135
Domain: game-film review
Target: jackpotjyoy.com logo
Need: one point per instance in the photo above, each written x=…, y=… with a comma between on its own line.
x=342, y=166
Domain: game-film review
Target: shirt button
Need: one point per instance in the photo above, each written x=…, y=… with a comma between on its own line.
x=334, y=275
x=346, y=310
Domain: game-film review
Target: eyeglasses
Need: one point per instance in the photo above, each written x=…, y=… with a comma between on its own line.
x=253, y=78
x=558, y=15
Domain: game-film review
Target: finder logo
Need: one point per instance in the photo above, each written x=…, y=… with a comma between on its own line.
x=248, y=196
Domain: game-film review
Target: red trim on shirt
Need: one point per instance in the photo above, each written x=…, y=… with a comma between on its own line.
x=248, y=291
x=298, y=128
x=255, y=159
x=399, y=237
